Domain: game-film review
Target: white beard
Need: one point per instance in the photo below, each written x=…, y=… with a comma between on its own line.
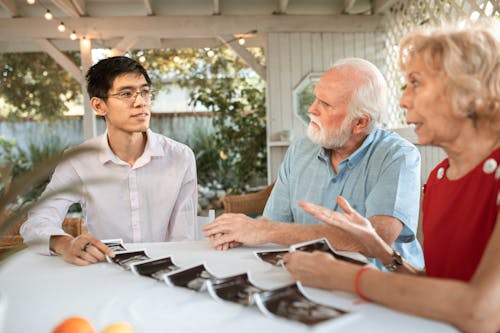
x=329, y=139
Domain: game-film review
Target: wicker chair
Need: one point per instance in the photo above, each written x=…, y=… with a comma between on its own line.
x=71, y=225
x=251, y=204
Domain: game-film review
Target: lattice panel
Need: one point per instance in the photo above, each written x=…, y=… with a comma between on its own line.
x=404, y=16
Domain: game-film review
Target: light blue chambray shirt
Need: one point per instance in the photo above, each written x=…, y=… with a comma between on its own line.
x=382, y=177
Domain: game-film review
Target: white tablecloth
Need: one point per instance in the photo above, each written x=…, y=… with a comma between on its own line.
x=41, y=291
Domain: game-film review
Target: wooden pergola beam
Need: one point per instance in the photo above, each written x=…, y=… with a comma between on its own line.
x=60, y=58
x=27, y=45
x=177, y=26
x=68, y=8
x=380, y=6
x=281, y=7
x=216, y=7
x=348, y=5
x=124, y=45
x=149, y=7
x=10, y=6
x=243, y=53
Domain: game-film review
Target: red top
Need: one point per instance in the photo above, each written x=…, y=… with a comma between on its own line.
x=459, y=217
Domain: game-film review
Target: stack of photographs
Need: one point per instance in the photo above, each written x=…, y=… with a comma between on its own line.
x=127, y=258
x=322, y=244
x=193, y=278
x=291, y=303
x=155, y=268
x=114, y=244
x=275, y=257
x=238, y=289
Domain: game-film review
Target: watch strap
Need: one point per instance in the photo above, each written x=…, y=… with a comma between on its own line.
x=395, y=263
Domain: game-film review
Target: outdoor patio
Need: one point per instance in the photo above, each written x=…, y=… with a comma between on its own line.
x=247, y=69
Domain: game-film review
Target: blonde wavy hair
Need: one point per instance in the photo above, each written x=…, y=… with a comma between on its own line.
x=468, y=54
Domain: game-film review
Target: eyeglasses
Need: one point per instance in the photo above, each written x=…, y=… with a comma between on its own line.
x=130, y=95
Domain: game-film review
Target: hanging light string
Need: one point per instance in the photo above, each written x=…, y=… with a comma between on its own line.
x=241, y=41
x=73, y=36
x=49, y=16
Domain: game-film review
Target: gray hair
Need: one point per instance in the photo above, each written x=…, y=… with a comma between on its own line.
x=371, y=96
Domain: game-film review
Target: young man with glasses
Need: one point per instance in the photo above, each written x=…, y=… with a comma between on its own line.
x=132, y=184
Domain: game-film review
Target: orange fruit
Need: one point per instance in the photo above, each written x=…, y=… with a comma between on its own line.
x=74, y=325
x=120, y=327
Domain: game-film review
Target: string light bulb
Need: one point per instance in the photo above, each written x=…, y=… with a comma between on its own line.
x=241, y=41
x=48, y=15
x=210, y=53
x=61, y=27
x=142, y=58
x=85, y=41
x=73, y=35
x=30, y=2
x=177, y=59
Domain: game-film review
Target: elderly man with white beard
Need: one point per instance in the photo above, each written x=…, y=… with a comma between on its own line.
x=344, y=154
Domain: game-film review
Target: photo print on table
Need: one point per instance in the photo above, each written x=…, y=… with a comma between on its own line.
x=237, y=288
x=114, y=244
x=193, y=278
x=289, y=302
x=155, y=268
x=323, y=245
x=126, y=258
x=273, y=257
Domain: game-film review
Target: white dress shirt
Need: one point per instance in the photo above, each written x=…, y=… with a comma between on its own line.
x=153, y=201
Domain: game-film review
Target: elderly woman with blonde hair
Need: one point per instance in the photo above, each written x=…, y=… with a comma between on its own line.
x=452, y=97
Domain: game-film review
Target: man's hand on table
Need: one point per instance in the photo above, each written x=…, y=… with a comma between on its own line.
x=82, y=250
x=231, y=230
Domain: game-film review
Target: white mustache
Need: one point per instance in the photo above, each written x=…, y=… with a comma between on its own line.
x=316, y=120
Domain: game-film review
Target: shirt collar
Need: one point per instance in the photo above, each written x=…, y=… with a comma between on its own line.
x=153, y=149
x=324, y=154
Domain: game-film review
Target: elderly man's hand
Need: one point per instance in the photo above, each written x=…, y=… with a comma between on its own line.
x=230, y=230
x=82, y=250
x=222, y=247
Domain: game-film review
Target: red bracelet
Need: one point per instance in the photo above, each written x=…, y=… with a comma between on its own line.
x=357, y=279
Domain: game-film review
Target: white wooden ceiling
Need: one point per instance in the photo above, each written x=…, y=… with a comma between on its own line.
x=129, y=24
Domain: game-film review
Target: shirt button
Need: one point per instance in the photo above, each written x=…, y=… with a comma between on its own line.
x=334, y=180
x=440, y=173
x=490, y=165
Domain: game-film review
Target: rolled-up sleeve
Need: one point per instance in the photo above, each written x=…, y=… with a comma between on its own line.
x=397, y=191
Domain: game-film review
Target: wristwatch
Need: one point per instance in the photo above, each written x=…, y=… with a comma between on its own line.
x=395, y=263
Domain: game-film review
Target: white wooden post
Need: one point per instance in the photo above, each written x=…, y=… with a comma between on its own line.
x=89, y=122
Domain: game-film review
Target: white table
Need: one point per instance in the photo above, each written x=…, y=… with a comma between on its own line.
x=42, y=290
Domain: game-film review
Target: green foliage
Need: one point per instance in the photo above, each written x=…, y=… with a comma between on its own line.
x=34, y=85
x=210, y=167
x=22, y=161
x=226, y=86
x=14, y=157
